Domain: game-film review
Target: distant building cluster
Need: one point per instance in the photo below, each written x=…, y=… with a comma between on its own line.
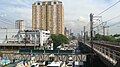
x=68, y=33
x=48, y=15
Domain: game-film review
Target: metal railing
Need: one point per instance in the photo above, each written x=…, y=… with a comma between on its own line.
x=107, y=52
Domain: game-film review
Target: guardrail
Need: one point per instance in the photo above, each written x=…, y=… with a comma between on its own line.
x=112, y=55
x=109, y=54
x=47, y=51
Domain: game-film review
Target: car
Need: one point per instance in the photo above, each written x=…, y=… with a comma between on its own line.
x=78, y=64
x=41, y=62
x=35, y=65
x=70, y=65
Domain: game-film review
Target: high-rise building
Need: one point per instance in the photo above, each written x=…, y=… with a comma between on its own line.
x=19, y=24
x=66, y=33
x=48, y=15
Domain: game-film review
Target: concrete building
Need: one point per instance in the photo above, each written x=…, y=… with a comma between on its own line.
x=48, y=15
x=19, y=24
x=44, y=35
x=13, y=36
x=66, y=32
x=36, y=37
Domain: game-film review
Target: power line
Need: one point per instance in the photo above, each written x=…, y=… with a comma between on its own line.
x=114, y=24
x=108, y=20
x=2, y=24
x=5, y=22
x=109, y=7
x=2, y=18
x=111, y=25
x=113, y=18
x=11, y=23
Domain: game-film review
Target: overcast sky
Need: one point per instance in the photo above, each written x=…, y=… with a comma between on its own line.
x=76, y=12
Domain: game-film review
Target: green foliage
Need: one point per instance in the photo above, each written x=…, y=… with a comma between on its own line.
x=116, y=35
x=109, y=38
x=118, y=40
x=105, y=38
x=59, y=39
x=98, y=37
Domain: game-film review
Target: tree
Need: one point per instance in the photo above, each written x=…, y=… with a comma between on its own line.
x=118, y=40
x=109, y=38
x=98, y=37
x=116, y=35
x=105, y=38
x=59, y=39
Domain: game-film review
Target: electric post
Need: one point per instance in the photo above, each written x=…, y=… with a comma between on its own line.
x=91, y=30
x=81, y=35
x=91, y=39
x=103, y=30
x=25, y=38
x=84, y=35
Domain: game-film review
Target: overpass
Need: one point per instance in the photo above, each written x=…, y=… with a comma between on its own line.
x=108, y=53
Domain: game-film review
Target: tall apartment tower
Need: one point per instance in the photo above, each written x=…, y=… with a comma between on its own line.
x=20, y=24
x=48, y=15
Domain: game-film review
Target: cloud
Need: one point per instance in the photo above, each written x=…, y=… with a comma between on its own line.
x=82, y=9
x=76, y=11
x=16, y=9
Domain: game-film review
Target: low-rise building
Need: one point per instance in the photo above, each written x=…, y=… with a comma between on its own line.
x=34, y=37
x=44, y=35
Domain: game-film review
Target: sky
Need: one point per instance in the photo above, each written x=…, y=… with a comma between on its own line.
x=76, y=13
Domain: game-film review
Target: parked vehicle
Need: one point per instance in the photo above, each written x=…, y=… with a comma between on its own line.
x=35, y=65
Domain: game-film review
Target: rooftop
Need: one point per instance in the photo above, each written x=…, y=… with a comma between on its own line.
x=44, y=2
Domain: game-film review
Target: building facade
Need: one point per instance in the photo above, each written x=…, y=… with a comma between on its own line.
x=66, y=32
x=19, y=24
x=48, y=15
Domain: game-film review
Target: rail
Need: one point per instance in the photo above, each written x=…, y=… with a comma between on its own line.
x=110, y=52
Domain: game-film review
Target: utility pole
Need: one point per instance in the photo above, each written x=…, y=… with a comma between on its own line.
x=25, y=37
x=108, y=31
x=35, y=38
x=91, y=30
x=91, y=38
x=81, y=35
x=98, y=29
x=39, y=38
x=103, y=30
x=104, y=26
x=84, y=34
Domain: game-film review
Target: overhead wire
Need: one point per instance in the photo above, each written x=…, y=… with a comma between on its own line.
x=114, y=24
x=6, y=21
x=108, y=20
x=105, y=11
x=109, y=7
